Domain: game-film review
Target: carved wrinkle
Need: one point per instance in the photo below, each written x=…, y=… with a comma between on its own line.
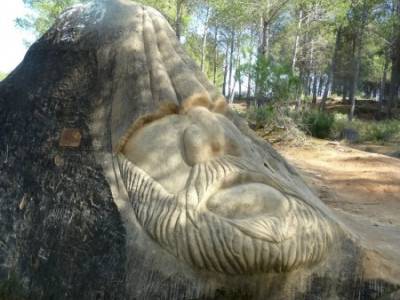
x=293, y=236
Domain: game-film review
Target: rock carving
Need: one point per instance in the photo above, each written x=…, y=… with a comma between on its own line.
x=198, y=194
x=124, y=175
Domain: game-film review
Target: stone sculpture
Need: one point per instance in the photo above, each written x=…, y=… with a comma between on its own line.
x=197, y=192
x=123, y=175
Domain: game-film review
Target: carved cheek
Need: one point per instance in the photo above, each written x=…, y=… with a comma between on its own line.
x=248, y=201
x=157, y=150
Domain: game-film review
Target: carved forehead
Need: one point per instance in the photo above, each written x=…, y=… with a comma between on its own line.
x=168, y=108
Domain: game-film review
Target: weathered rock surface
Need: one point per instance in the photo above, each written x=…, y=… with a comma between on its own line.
x=66, y=229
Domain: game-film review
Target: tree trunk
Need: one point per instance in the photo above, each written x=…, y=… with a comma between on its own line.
x=330, y=82
x=232, y=92
x=305, y=62
x=354, y=82
x=238, y=67
x=299, y=93
x=311, y=75
x=382, y=90
x=204, y=43
x=267, y=16
x=395, y=55
x=226, y=70
x=178, y=19
x=232, y=48
x=320, y=85
x=345, y=91
x=215, y=55
x=265, y=39
x=297, y=39
x=325, y=93
x=357, y=47
x=265, y=31
x=394, y=86
x=314, y=90
x=248, y=87
x=248, y=95
x=239, y=75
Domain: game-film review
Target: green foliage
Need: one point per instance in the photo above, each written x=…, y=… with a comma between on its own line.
x=261, y=115
x=318, y=124
x=322, y=125
x=341, y=121
x=279, y=123
x=193, y=46
x=231, y=14
x=369, y=131
x=12, y=289
x=2, y=75
x=261, y=69
x=166, y=7
x=277, y=61
x=45, y=12
x=382, y=131
x=284, y=84
x=275, y=79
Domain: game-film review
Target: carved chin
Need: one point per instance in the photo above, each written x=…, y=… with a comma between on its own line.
x=213, y=225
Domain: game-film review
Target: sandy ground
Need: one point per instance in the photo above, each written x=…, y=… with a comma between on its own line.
x=358, y=182
x=362, y=188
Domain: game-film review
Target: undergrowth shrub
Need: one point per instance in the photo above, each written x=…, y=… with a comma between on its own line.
x=382, y=131
x=369, y=131
x=261, y=115
x=318, y=124
x=279, y=121
x=12, y=289
x=291, y=125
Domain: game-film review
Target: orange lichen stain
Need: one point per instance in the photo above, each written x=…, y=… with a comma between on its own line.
x=70, y=137
x=220, y=106
x=203, y=99
x=198, y=99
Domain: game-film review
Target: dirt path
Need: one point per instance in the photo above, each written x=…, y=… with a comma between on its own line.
x=360, y=182
x=363, y=183
x=362, y=188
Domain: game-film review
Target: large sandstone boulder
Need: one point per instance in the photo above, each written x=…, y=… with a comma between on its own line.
x=106, y=195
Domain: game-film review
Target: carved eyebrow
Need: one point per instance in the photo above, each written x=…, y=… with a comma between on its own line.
x=199, y=99
x=203, y=99
x=220, y=106
x=165, y=109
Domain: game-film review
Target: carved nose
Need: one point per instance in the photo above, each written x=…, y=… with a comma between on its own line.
x=201, y=144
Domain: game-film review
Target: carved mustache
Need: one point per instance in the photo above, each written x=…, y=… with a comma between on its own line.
x=183, y=225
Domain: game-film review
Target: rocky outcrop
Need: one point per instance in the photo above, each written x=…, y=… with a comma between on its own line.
x=66, y=229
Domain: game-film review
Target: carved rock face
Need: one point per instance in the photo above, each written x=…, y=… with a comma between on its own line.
x=200, y=195
x=201, y=186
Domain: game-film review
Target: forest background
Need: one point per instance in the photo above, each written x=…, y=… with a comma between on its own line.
x=288, y=59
